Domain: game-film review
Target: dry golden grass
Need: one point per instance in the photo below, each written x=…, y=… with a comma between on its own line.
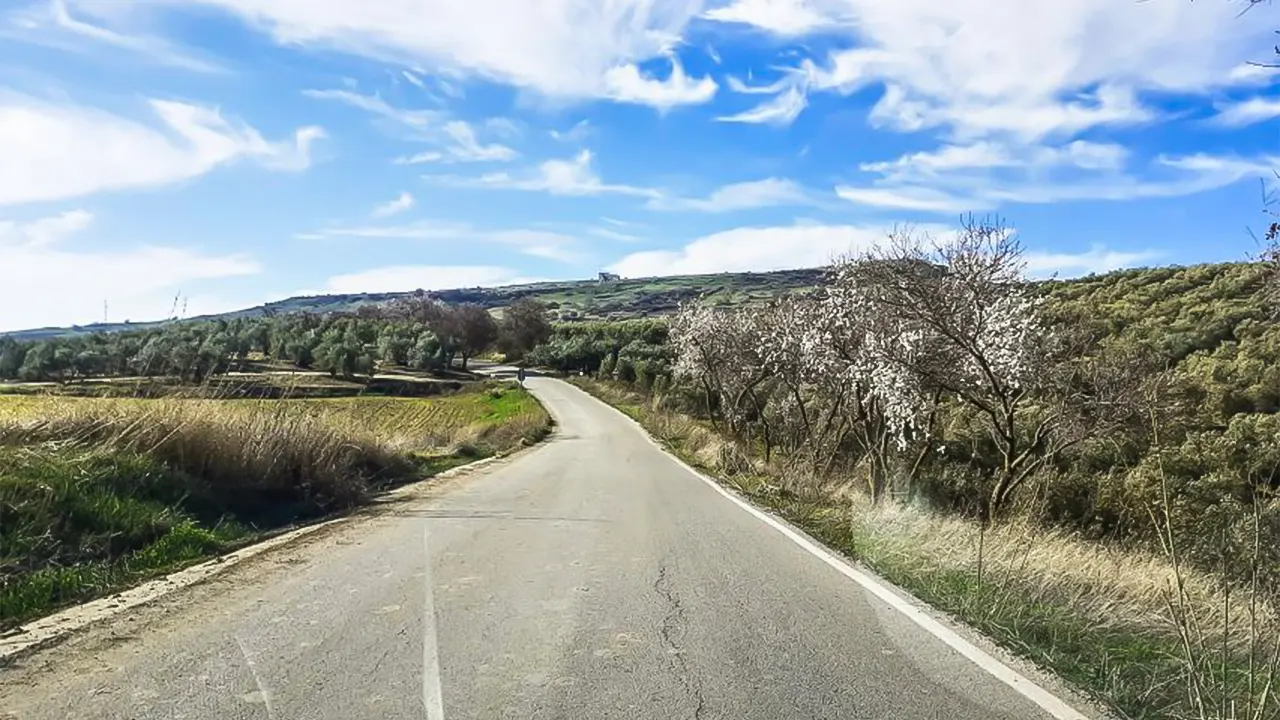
x=261, y=447
x=329, y=450
x=1113, y=589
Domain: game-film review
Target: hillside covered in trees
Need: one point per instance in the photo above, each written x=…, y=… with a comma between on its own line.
x=1196, y=346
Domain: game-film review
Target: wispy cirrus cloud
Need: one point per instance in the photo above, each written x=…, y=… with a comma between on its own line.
x=572, y=177
x=460, y=145
x=53, y=24
x=419, y=119
x=769, y=192
x=45, y=231
x=407, y=278
x=1246, y=112
x=1097, y=259
x=404, y=201
x=987, y=175
x=452, y=140
x=627, y=84
x=532, y=242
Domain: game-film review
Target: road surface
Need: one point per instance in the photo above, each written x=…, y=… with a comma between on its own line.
x=591, y=577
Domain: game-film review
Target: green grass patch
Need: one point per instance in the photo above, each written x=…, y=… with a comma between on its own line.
x=99, y=494
x=75, y=525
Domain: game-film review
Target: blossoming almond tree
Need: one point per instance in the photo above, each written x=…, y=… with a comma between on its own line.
x=955, y=318
x=895, y=334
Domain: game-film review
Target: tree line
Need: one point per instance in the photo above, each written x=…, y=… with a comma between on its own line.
x=414, y=332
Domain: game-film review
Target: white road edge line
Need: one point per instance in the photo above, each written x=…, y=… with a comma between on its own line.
x=432, y=697
x=1047, y=701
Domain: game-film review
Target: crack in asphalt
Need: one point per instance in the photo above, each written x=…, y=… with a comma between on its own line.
x=672, y=626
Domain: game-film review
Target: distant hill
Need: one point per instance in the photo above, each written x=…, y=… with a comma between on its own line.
x=570, y=300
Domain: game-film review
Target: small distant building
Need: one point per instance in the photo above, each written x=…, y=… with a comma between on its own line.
x=609, y=277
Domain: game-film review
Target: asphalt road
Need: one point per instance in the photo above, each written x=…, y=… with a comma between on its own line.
x=591, y=577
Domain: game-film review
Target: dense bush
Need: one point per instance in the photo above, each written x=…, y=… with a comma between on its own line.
x=629, y=349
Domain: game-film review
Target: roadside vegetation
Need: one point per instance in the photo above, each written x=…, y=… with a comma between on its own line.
x=1086, y=470
x=97, y=494
x=129, y=455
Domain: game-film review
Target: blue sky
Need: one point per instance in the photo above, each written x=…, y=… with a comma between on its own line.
x=230, y=152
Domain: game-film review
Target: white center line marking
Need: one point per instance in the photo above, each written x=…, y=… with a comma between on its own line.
x=253, y=670
x=432, y=699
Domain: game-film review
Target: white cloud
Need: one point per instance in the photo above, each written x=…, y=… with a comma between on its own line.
x=417, y=119
x=404, y=202
x=407, y=278
x=1253, y=73
x=625, y=83
x=457, y=138
x=946, y=182
x=909, y=198
x=769, y=192
x=558, y=177
x=52, y=24
x=534, y=243
x=783, y=109
x=984, y=155
x=1026, y=119
x=504, y=127
x=422, y=158
x=57, y=151
x=137, y=283
x=758, y=249
x=466, y=148
x=1247, y=112
x=43, y=232
x=782, y=17
x=1026, y=68
x=577, y=133
x=537, y=243
x=614, y=235
x=460, y=145
x=790, y=98
x=558, y=48
x=753, y=249
x=1098, y=259
x=413, y=79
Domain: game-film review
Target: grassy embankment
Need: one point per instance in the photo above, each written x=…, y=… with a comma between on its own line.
x=99, y=494
x=1127, y=627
